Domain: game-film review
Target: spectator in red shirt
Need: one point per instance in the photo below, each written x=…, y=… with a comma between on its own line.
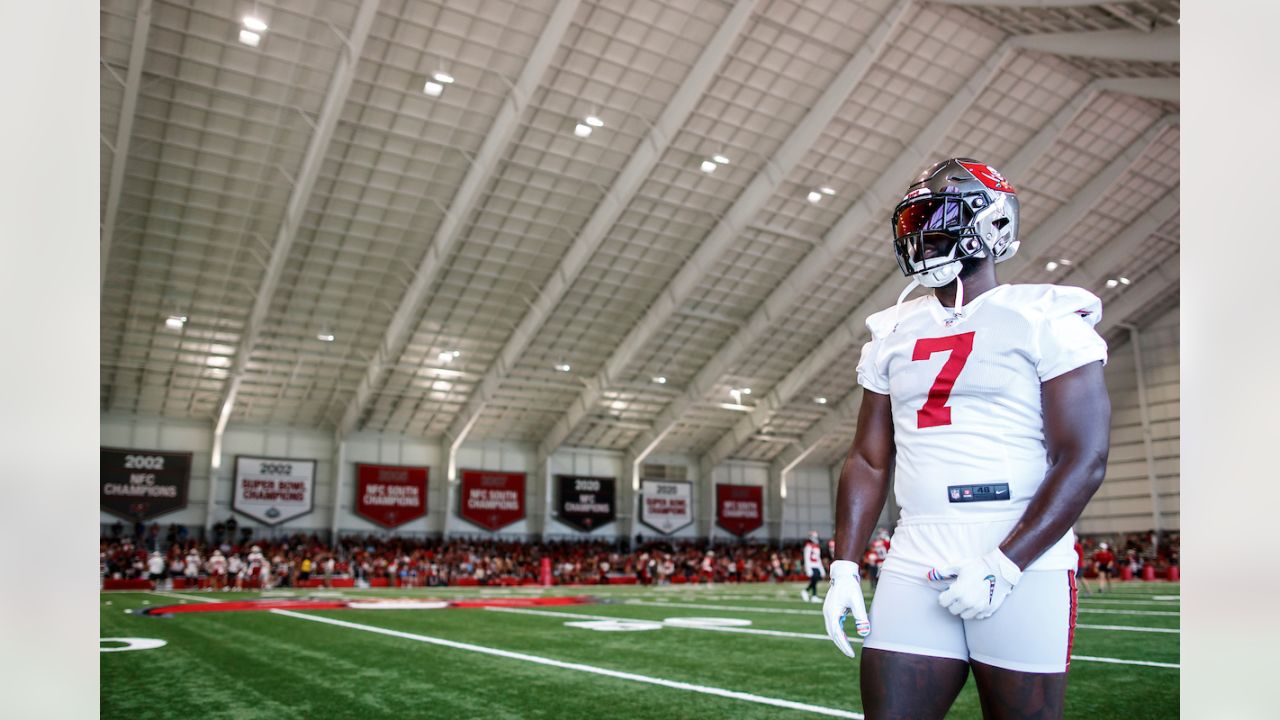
x=1080, y=578
x=1105, y=563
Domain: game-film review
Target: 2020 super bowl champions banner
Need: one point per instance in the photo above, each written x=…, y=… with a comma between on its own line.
x=141, y=484
x=492, y=500
x=585, y=503
x=666, y=505
x=273, y=490
x=390, y=495
x=739, y=508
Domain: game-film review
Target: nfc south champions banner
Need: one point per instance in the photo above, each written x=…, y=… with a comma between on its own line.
x=492, y=500
x=739, y=508
x=390, y=495
x=273, y=490
x=141, y=484
x=585, y=503
x=666, y=506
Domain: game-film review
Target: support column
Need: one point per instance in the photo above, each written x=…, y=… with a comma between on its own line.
x=706, y=500
x=1144, y=414
x=776, y=497
x=215, y=464
x=339, y=471
x=628, y=491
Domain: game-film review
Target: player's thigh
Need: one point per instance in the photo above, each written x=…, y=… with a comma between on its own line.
x=906, y=618
x=1009, y=694
x=1032, y=631
x=906, y=686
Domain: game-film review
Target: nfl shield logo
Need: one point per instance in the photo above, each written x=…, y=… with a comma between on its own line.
x=955, y=494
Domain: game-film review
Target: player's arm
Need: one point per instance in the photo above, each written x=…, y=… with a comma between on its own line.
x=1077, y=428
x=864, y=478
x=864, y=485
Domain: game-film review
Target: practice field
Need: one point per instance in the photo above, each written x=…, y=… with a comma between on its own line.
x=741, y=651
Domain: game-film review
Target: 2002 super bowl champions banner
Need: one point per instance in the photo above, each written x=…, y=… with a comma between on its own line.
x=273, y=490
x=141, y=484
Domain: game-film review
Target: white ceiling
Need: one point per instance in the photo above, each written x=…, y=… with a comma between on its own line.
x=478, y=222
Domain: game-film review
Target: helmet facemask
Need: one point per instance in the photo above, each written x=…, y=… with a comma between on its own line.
x=935, y=231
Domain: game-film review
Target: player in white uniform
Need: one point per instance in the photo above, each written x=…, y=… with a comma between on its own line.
x=217, y=568
x=989, y=403
x=812, y=567
x=191, y=569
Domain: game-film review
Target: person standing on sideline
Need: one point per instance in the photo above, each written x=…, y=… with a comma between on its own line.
x=1104, y=562
x=987, y=403
x=812, y=567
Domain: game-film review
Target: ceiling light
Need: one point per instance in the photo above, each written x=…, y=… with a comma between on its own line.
x=708, y=166
x=746, y=391
x=820, y=400
x=433, y=88
x=175, y=322
x=660, y=379
x=446, y=357
x=581, y=130
x=814, y=196
x=563, y=367
x=250, y=38
x=1124, y=281
x=594, y=121
x=1051, y=266
x=720, y=159
x=827, y=190
x=325, y=337
x=1063, y=261
x=218, y=361
x=443, y=77
x=1112, y=283
x=255, y=24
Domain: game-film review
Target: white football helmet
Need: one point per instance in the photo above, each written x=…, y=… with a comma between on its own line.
x=956, y=209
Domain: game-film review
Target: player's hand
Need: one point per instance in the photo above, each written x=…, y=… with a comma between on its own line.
x=844, y=599
x=978, y=587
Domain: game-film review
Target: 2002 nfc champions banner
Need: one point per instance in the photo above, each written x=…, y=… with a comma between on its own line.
x=739, y=508
x=390, y=495
x=141, y=484
x=273, y=490
x=585, y=503
x=666, y=506
x=492, y=500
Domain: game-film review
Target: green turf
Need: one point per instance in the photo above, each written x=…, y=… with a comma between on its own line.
x=263, y=665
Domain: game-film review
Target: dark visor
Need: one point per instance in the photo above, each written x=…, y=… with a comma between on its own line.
x=931, y=215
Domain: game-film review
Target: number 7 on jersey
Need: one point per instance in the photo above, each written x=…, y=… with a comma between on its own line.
x=935, y=411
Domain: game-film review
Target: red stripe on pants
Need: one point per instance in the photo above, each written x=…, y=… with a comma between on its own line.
x=1071, y=632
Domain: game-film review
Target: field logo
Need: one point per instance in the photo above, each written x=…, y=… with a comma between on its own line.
x=273, y=490
x=492, y=500
x=390, y=495
x=666, y=505
x=141, y=484
x=131, y=644
x=585, y=503
x=739, y=508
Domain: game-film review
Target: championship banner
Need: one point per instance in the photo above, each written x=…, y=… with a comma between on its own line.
x=492, y=500
x=585, y=503
x=739, y=508
x=390, y=495
x=273, y=490
x=666, y=506
x=141, y=484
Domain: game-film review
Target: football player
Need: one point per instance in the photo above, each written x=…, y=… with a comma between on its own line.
x=812, y=567
x=217, y=569
x=988, y=402
x=1105, y=563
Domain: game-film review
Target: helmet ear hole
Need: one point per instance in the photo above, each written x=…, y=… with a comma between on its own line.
x=999, y=223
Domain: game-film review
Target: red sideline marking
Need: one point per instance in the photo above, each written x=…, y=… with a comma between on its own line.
x=248, y=605
x=242, y=605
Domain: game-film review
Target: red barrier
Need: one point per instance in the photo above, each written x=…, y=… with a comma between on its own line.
x=133, y=584
x=1148, y=572
x=1174, y=574
x=624, y=580
x=1126, y=573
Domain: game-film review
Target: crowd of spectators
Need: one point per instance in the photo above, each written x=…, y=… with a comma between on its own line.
x=399, y=561
x=1136, y=551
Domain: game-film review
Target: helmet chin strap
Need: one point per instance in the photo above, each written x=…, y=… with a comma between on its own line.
x=897, y=307
x=957, y=312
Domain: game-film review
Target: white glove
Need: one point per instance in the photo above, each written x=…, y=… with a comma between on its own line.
x=978, y=586
x=843, y=599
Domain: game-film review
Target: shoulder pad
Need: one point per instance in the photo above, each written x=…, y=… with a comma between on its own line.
x=881, y=323
x=1057, y=300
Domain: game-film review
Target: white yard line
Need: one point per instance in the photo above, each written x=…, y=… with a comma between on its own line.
x=1131, y=628
x=180, y=596
x=818, y=611
x=1114, y=661
x=744, y=631
x=579, y=667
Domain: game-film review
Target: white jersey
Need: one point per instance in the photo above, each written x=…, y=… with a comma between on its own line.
x=967, y=419
x=813, y=558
